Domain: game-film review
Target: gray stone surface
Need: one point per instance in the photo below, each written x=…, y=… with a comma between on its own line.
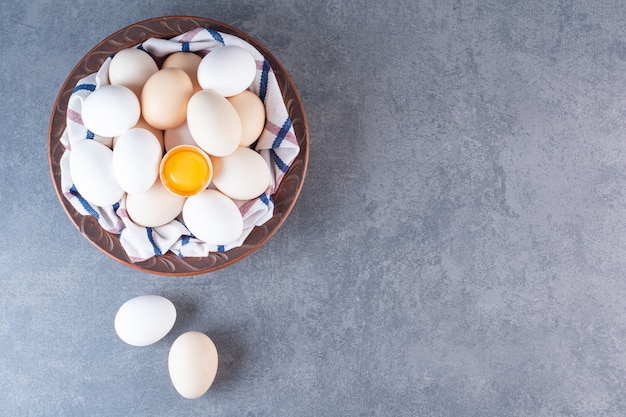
x=457, y=249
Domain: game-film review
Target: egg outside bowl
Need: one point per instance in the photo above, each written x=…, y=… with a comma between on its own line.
x=170, y=264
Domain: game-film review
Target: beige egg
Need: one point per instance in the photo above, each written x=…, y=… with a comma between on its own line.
x=164, y=98
x=131, y=68
x=155, y=207
x=251, y=111
x=188, y=62
x=192, y=364
x=242, y=175
x=213, y=123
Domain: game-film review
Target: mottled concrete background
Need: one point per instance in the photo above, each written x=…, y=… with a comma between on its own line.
x=458, y=248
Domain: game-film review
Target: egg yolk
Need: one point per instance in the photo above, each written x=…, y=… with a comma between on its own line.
x=186, y=172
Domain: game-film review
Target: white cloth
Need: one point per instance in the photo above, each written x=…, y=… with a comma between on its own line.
x=277, y=145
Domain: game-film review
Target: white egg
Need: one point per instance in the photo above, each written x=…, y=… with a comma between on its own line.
x=91, y=169
x=242, y=175
x=144, y=125
x=144, y=320
x=192, y=364
x=110, y=110
x=228, y=70
x=155, y=207
x=156, y=132
x=178, y=136
x=131, y=68
x=214, y=123
x=136, y=160
x=213, y=217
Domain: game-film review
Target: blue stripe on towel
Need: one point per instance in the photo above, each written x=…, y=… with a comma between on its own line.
x=220, y=248
x=216, y=35
x=279, y=162
x=84, y=202
x=263, y=87
x=185, y=47
x=264, y=199
x=89, y=134
x=282, y=133
x=157, y=251
x=88, y=87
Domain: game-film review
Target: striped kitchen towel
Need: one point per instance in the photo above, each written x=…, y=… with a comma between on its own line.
x=277, y=145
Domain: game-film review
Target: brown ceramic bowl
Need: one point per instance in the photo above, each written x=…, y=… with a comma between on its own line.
x=170, y=264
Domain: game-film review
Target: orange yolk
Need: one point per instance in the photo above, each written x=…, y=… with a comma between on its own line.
x=186, y=172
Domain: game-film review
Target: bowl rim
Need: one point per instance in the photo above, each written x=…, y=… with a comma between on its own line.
x=169, y=264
